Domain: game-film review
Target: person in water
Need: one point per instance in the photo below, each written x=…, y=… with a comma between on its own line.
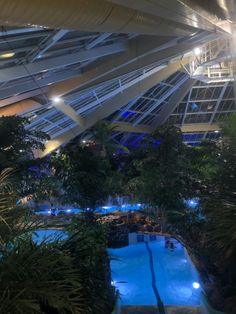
x=53, y=210
x=167, y=244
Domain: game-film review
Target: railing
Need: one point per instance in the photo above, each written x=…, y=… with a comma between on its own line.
x=214, y=63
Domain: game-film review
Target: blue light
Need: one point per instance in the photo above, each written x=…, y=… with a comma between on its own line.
x=192, y=203
x=127, y=113
x=68, y=210
x=106, y=207
x=49, y=212
x=194, y=106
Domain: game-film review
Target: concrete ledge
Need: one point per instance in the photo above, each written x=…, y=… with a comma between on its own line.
x=126, y=309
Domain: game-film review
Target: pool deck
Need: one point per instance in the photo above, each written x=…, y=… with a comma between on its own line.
x=154, y=310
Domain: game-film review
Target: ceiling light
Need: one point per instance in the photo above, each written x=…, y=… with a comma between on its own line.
x=216, y=131
x=7, y=55
x=83, y=141
x=197, y=51
x=56, y=99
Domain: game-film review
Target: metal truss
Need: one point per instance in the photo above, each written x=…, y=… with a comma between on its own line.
x=135, y=82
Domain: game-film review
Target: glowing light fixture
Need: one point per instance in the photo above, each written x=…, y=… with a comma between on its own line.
x=197, y=51
x=216, y=131
x=56, y=99
x=196, y=285
x=68, y=210
x=84, y=141
x=7, y=55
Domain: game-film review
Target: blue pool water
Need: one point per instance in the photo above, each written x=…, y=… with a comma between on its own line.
x=103, y=209
x=48, y=235
x=46, y=210
x=175, y=275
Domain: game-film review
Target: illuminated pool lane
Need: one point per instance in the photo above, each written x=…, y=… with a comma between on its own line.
x=177, y=280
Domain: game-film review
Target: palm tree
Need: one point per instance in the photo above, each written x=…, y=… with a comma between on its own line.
x=61, y=277
x=221, y=205
x=102, y=134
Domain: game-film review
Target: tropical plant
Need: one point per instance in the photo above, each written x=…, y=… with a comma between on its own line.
x=16, y=142
x=162, y=175
x=37, y=180
x=40, y=279
x=102, y=134
x=221, y=199
x=70, y=277
x=86, y=177
x=92, y=237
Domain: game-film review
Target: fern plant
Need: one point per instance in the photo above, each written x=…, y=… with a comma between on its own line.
x=58, y=278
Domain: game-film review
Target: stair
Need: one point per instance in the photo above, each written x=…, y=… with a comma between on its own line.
x=154, y=310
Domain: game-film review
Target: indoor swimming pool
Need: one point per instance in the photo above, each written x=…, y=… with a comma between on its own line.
x=175, y=276
x=177, y=280
x=48, y=235
x=103, y=210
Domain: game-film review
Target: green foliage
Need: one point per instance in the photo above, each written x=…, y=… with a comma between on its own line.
x=163, y=174
x=68, y=277
x=102, y=134
x=16, y=142
x=89, y=247
x=39, y=279
x=12, y=217
x=221, y=198
x=38, y=180
x=86, y=177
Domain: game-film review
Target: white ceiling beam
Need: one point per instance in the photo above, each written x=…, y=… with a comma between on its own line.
x=17, y=31
x=16, y=99
x=5, y=37
x=36, y=84
x=46, y=44
x=187, y=128
x=98, y=40
x=112, y=105
x=138, y=48
x=68, y=111
x=131, y=60
x=16, y=72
